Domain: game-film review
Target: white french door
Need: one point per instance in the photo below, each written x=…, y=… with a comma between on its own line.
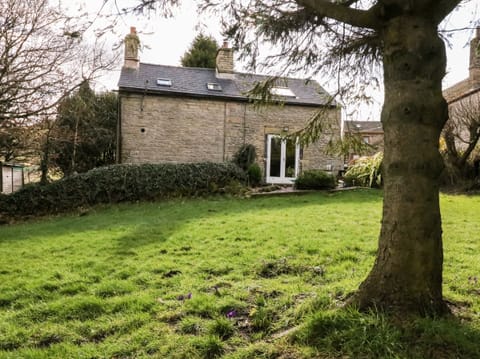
x=283, y=158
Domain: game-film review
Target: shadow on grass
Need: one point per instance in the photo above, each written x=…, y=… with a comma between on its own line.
x=180, y=213
x=157, y=221
x=348, y=333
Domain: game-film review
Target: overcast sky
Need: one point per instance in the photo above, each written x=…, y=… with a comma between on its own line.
x=166, y=39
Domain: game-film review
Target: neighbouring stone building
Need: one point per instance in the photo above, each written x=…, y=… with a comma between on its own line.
x=179, y=114
x=463, y=100
x=471, y=85
x=370, y=132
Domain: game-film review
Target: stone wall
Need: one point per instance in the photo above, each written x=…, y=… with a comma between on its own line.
x=277, y=120
x=172, y=130
x=165, y=129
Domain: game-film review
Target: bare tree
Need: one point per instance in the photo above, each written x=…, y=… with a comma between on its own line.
x=12, y=141
x=44, y=56
x=462, y=132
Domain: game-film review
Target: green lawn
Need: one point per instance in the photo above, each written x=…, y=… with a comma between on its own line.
x=227, y=277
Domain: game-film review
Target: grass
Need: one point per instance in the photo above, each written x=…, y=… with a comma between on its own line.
x=223, y=277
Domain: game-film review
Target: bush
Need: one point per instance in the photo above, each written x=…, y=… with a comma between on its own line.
x=119, y=183
x=254, y=174
x=365, y=172
x=315, y=179
x=245, y=156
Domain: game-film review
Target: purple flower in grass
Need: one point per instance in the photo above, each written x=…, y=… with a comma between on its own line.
x=232, y=314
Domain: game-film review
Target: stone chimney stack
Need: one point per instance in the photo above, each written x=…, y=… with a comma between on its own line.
x=224, y=62
x=475, y=60
x=132, y=45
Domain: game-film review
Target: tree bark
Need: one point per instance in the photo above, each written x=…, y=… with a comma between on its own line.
x=407, y=274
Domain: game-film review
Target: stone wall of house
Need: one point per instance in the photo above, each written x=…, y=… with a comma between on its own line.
x=245, y=124
x=171, y=130
x=166, y=129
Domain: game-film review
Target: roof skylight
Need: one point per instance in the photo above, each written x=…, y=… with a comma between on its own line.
x=213, y=86
x=164, y=82
x=282, y=92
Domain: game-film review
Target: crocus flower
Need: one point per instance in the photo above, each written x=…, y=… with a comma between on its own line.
x=232, y=314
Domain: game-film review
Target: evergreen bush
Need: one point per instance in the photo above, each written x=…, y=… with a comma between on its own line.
x=254, y=174
x=245, y=156
x=315, y=179
x=119, y=183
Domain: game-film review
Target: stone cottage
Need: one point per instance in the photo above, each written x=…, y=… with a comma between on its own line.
x=178, y=114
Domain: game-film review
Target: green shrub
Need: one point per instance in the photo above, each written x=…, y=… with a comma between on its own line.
x=254, y=174
x=315, y=179
x=365, y=172
x=119, y=183
x=245, y=156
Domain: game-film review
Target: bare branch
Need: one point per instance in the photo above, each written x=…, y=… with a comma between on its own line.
x=462, y=131
x=42, y=58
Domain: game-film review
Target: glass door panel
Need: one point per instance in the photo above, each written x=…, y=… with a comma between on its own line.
x=290, y=158
x=275, y=156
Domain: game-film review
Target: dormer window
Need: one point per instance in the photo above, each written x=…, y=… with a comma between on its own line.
x=282, y=92
x=164, y=82
x=213, y=86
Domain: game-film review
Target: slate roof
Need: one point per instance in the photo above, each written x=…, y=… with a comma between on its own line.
x=192, y=82
x=460, y=90
x=364, y=126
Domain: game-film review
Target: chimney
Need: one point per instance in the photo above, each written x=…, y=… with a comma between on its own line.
x=475, y=60
x=224, y=62
x=132, y=44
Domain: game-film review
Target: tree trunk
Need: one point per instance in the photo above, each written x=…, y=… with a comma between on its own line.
x=45, y=155
x=407, y=275
x=44, y=168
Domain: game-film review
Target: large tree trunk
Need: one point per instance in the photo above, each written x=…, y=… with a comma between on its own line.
x=407, y=275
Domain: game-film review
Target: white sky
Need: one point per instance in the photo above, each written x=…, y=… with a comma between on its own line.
x=165, y=40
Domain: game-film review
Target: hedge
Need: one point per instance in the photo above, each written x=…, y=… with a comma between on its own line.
x=315, y=179
x=119, y=183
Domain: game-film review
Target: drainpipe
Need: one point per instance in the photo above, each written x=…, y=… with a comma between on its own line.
x=118, y=158
x=244, y=124
x=224, y=131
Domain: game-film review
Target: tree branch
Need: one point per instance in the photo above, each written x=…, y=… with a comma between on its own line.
x=444, y=7
x=341, y=12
